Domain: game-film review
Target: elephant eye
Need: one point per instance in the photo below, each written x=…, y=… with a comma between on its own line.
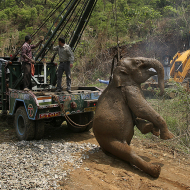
x=142, y=66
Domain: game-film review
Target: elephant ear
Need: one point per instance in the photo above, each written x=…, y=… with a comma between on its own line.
x=120, y=76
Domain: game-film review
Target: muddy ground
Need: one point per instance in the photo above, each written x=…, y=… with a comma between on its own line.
x=104, y=172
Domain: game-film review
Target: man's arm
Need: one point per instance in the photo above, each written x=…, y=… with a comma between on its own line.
x=104, y=81
x=34, y=46
x=71, y=55
x=54, y=48
x=31, y=60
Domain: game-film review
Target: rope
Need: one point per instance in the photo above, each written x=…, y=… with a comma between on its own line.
x=71, y=122
x=116, y=27
x=117, y=56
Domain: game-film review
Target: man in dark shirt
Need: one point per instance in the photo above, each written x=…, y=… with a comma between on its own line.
x=26, y=58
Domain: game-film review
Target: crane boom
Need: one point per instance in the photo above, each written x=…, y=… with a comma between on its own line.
x=72, y=24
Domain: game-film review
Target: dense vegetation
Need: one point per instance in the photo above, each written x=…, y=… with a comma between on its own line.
x=176, y=112
x=131, y=20
x=160, y=24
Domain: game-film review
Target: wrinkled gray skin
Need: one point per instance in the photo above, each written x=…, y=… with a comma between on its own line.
x=122, y=106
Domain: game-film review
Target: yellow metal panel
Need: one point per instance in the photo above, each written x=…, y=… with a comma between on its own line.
x=184, y=56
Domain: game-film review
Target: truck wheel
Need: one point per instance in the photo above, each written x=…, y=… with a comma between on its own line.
x=25, y=128
x=39, y=129
x=81, y=119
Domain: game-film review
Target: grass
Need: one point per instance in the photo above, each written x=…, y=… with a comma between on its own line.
x=176, y=115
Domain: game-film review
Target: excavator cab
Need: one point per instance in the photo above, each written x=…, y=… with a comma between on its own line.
x=180, y=69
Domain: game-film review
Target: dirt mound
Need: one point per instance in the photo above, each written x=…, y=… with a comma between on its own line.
x=103, y=171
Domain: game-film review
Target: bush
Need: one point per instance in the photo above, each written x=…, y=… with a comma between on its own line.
x=3, y=15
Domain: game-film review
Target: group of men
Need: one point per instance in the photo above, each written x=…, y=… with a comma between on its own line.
x=66, y=59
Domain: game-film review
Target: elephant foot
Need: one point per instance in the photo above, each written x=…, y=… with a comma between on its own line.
x=146, y=127
x=166, y=135
x=155, y=131
x=155, y=172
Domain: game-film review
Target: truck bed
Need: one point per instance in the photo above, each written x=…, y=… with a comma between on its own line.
x=74, y=90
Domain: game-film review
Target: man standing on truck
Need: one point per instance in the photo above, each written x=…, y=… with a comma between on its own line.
x=66, y=59
x=26, y=59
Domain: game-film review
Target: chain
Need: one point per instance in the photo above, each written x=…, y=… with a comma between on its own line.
x=71, y=122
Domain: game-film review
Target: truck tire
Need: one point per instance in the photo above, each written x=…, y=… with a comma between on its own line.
x=39, y=129
x=81, y=119
x=25, y=128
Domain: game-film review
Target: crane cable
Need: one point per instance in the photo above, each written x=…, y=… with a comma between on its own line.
x=51, y=13
x=58, y=5
x=116, y=27
x=117, y=56
x=63, y=27
x=75, y=19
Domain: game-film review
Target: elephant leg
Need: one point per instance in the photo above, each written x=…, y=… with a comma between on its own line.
x=148, y=113
x=123, y=151
x=146, y=127
x=140, y=107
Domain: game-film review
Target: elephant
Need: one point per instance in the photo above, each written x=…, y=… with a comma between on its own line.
x=121, y=106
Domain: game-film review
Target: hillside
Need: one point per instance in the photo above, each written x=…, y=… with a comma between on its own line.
x=157, y=25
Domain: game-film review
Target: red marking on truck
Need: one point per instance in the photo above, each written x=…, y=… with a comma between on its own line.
x=47, y=115
x=30, y=110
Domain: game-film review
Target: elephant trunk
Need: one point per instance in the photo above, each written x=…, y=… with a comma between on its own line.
x=155, y=64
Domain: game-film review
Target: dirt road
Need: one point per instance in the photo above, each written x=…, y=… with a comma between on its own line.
x=104, y=172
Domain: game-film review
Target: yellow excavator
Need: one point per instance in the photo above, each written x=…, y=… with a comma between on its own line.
x=180, y=66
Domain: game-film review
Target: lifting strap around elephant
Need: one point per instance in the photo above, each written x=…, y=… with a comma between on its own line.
x=118, y=55
x=112, y=66
x=113, y=63
x=71, y=122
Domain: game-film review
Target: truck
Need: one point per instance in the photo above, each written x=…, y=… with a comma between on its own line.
x=34, y=108
x=180, y=67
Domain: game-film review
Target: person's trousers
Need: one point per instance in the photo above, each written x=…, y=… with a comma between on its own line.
x=64, y=66
x=166, y=73
x=26, y=67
